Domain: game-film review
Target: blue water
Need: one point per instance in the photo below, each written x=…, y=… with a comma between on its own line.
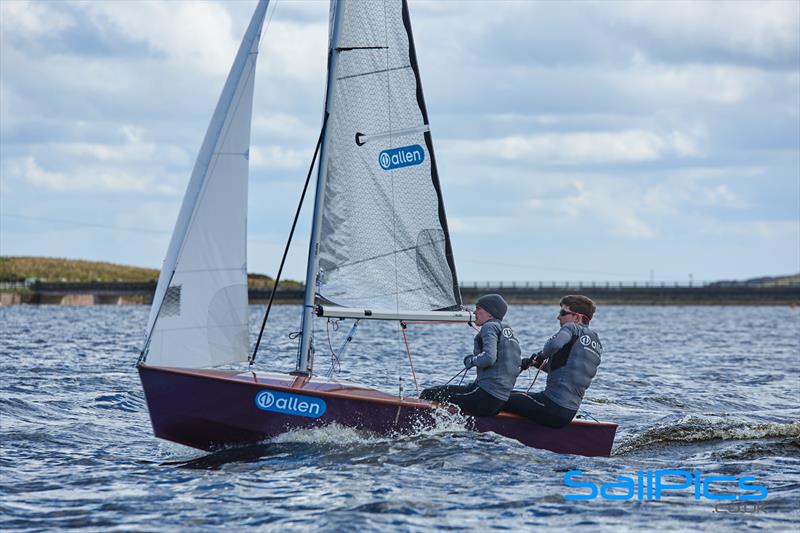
x=712, y=389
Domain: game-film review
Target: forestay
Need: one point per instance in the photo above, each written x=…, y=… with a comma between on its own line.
x=383, y=239
x=199, y=314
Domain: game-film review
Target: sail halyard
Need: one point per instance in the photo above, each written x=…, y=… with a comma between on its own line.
x=199, y=311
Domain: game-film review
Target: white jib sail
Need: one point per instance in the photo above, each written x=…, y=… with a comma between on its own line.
x=199, y=313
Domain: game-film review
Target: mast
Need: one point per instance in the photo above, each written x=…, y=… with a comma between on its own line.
x=304, y=359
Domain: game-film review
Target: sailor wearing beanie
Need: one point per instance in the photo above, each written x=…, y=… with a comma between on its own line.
x=496, y=355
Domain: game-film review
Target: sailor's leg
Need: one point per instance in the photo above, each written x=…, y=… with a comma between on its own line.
x=443, y=393
x=477, y=402
x=539, y=408
x=431, y=393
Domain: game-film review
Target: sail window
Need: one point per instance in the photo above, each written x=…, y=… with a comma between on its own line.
x=172, y=302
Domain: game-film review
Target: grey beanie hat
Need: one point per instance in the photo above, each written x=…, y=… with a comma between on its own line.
x=494, y=304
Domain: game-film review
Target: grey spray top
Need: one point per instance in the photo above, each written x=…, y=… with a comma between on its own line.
x=496, y=354
x=573, y=357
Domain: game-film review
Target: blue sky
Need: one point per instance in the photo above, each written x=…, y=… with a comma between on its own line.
x=575, y=141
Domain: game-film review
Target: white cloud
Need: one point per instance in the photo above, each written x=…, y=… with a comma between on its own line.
x=134, y=150
x=32, y=19
x=196, y=35
x=282, y=125
x=759, y=29
x=633, y=205
x=131, y=166
x=93, y=179
x=615, y=207
x=66, y=76
x=153, y=217
x=768, y=230
x=662, y=199
x=717, y=172
x=580, y=148
x=28, y=170
x=541, y=120
x=295, y=51
x=690, y=188
x=721, y=195
x=480, y=225
x=278, y=156
x=580, y=203
x=718, y=84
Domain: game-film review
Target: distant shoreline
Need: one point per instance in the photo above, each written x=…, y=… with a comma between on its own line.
x=23, y=280
x=141, y=293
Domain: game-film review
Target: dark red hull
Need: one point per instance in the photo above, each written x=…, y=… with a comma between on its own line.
x=206, y=409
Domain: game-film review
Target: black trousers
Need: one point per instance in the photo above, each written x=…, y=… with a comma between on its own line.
x=540, y=409
x=472, y=399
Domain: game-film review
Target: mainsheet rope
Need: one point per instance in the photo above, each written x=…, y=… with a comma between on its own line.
x=408, y=351
x=539, y=369
x=403, y=325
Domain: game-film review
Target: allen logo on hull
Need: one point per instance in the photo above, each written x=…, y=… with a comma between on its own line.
x=290, y=404
x=405, y=156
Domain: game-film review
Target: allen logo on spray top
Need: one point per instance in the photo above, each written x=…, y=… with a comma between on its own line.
x=594, y=346
x=508, y=333
x=401, y=157
x=290, y=404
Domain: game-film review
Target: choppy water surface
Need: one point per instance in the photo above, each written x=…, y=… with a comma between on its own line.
x=713, y=389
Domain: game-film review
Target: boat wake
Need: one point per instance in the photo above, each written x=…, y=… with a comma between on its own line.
x=334, y=435
x=337, y=435
x=706, y=428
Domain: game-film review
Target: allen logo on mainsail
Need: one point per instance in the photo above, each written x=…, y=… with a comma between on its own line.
x=401, y=157
x=290, y=404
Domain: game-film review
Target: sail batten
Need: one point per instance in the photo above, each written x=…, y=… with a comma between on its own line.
x=381, y=71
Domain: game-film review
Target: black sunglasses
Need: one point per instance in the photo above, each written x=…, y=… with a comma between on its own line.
x=564, y=312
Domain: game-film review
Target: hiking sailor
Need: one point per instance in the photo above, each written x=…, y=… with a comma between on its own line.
x=570, y=358
x=496, y=355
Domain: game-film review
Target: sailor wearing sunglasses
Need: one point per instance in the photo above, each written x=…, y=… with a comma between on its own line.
x=570, y=358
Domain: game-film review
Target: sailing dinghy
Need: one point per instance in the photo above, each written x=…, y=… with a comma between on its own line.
x=380, y=250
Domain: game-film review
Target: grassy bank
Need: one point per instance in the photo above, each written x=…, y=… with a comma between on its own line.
x=60, y=269
x=77, y=270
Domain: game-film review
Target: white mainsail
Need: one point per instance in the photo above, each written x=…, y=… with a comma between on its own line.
x=383, y=237
x=379, y=238
x=199, y=313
